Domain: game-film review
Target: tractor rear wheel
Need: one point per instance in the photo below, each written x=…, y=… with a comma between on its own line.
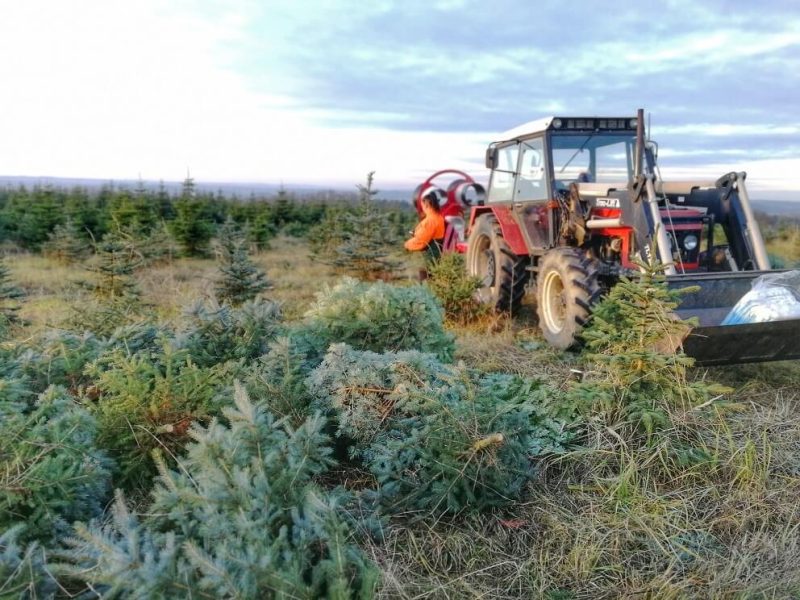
x=566, y=288
x=502, y=273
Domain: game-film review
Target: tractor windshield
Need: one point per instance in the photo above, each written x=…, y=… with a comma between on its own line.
x=600, y=157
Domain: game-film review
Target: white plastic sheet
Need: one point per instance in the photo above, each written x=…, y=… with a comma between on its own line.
x=774, y=297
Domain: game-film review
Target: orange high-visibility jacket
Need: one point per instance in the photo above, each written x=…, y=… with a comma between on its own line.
x=429, y=229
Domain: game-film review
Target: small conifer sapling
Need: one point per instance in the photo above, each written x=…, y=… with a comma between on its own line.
x=241, y=280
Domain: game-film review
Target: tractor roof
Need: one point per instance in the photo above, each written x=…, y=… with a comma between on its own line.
x=572, y=124
x=528, y=128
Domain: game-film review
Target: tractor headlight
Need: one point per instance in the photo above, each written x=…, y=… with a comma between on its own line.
x=690, y=242
x=556, y=123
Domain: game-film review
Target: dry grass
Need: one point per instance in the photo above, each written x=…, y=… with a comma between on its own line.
x=514, y=350
x=174, y=286
x=49, y=286
x=40, y=276
x=787, y=246
x=52, y=287
x=608, y=522
x=295, y=276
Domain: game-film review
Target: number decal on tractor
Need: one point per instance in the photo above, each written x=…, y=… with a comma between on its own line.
x=607, y=202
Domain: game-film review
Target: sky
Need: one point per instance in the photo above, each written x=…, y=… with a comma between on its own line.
x=321, y=92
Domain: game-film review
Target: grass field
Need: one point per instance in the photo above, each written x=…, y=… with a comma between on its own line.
x=607, y=520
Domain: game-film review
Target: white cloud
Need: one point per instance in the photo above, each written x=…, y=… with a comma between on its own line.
x=721, y=46
x=764, y=175
x=727, y=129
x=117, y=89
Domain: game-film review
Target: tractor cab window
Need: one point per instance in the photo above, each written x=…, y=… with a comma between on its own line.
x=501, y=185
x=531, y=181
x=599, y=157
x=519, y=173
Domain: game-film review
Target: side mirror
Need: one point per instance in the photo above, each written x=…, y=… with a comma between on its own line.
x=491, y=157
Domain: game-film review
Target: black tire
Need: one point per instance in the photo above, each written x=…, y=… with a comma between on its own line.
x=503, y=273
x=566, y=289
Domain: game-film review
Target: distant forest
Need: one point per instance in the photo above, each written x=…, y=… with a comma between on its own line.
x=49, y=218
x=37, y=217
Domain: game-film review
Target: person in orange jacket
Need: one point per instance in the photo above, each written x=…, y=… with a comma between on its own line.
x=429, y=233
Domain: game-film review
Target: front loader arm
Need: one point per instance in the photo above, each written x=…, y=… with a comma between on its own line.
x=642, y=212
x=643, y=204
x=742, y=224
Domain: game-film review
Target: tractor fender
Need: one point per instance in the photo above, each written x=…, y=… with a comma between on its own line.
x=508, y=226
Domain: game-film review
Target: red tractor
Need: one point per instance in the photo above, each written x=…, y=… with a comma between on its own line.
x=572, y=200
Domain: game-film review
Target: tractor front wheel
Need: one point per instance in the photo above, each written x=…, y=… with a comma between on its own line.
x=566, y=288
x=502, y=273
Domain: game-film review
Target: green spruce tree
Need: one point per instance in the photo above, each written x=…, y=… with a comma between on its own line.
x=113, y=286
x=40, y=214
x=164, y=205
x=261, y=230
x=51, y=472
x=159, y=246
x=67, y=243
x=85, y=213
x=117, y=260
x=638, y=369
x=241, y=517
x=191, y=227
x=456, y=289
x=10, y=295
x=283, y=209
x=240, y=279
x=123, y=212
x=436, y=437
x=366, y=239
x=23, y=572
x=325, y=237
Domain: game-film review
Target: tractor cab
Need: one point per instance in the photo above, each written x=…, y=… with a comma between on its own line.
x=568, y=181
x=533, y=166
x=540, y=158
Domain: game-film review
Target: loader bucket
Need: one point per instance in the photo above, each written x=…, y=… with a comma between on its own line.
x=712, y=344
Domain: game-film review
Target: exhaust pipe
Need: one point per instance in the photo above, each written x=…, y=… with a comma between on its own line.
x=662, y=241
x=637, y=163
x=644, y=166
